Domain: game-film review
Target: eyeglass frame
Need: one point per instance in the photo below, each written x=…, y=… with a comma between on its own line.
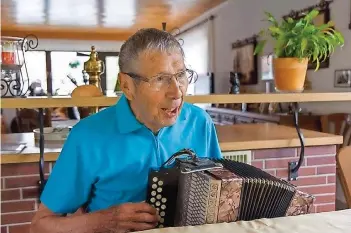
x=148, y=80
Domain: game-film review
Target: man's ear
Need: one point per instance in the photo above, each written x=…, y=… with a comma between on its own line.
x=127, y=86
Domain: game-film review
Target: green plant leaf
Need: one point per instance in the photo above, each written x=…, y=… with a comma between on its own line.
x=275, y=30
x=260, y=46
x=311, y=15
x=300, y=38
x=340, y=38
x=304, y=43
x=271, y=19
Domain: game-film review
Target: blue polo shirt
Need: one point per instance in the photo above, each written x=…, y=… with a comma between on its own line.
x=107, y=156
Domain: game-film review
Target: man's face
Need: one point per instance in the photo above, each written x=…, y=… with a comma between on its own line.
x=158, y=107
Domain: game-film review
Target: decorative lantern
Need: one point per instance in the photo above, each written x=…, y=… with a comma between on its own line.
x=13, y=82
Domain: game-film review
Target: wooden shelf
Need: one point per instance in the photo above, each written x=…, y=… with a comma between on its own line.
x=49, y=102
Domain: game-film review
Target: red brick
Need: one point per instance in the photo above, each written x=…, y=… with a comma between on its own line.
x=325, y=208
x=272, y=172
x=303, y=171
x=258, y=164
x=324, y=160
x=11, y=194
x=319, y=150
x=331, y=169
x=30, y=193
x=313, y=180
x=331, y=179
x=320, y=189
x=17, y=169
x=24, y=181
x=24, y=228
x=16, y=218
x=274, y=153
x=279, y=163
x=7, y=207
x=3, y=229
x=330, y=198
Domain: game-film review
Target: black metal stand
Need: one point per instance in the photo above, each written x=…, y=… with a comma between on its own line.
x=294, y=167
x=42, y=181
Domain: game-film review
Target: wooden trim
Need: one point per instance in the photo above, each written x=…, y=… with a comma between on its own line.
x=74, y=33
x=49, y=102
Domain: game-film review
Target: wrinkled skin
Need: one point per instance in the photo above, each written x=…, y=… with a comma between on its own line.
x=148, y=105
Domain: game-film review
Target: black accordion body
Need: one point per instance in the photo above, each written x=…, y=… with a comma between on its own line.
x=196, y=191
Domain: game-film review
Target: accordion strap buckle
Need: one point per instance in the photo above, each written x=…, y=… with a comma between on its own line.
x=208, y=165
x=191, y=156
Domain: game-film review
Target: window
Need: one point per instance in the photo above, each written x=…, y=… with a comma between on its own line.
x=36, y=68
x=77, y=12
x=112, y=70
x=26, y=12
x=197, y=57
x=61, y=71
x=196, y=49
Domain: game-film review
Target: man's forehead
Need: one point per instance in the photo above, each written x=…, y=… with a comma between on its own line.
x=154, y=62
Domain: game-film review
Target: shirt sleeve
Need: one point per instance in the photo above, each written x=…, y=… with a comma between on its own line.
x=69, y=184
x=214, y=149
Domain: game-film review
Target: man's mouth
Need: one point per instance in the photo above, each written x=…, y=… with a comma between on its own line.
x=170, y=112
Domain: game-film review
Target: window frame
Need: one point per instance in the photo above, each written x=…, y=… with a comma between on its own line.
x=101, y=55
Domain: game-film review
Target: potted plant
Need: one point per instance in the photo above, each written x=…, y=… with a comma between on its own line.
x=297, y=42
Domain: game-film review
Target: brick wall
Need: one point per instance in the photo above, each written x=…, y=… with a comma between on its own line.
x=19, y=189
x=19, y=195
x=316, y=176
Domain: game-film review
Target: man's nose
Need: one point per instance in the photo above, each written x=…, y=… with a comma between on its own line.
x=174, y=90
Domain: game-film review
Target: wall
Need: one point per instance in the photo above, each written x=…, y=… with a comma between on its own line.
x=239, y=19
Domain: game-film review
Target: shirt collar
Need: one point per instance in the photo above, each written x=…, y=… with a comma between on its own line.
x=126, y=120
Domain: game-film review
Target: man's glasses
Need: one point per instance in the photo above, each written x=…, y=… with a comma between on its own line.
x=163, y=81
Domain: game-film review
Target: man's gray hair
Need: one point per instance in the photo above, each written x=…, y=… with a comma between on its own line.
x=146, y=39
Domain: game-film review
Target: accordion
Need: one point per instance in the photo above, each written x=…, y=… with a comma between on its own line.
x=197, y=191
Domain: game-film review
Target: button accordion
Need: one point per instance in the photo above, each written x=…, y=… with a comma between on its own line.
x=195, y=191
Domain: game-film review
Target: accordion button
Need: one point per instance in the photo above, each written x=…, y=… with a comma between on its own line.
x=160, y=182
x=163, y=207
x=152, y=199
x=162, y=220
x=162, y=213
x=153, y=193
x=159, y=196
x=154, y=179
x=154, y=186
x=159, y=190
x=158, y=203
x=163, y=200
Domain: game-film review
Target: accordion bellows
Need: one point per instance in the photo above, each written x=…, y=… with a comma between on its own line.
x=237, y=191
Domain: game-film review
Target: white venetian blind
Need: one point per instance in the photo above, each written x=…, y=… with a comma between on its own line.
x=197, y=56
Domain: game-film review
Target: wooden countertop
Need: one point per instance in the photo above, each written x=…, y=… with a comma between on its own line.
x=49, y=102
x=231, y=138
x=268, y=135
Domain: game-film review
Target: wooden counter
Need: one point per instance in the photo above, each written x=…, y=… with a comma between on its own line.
x=231, y=138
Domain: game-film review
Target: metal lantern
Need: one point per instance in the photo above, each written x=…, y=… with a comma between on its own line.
x=13, y=82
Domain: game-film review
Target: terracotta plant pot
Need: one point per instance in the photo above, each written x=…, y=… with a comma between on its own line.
x=289, y=74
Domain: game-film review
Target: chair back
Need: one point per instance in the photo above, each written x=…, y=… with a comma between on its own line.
x=343, y=160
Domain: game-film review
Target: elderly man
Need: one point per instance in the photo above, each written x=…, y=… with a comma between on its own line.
x=105, y=161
